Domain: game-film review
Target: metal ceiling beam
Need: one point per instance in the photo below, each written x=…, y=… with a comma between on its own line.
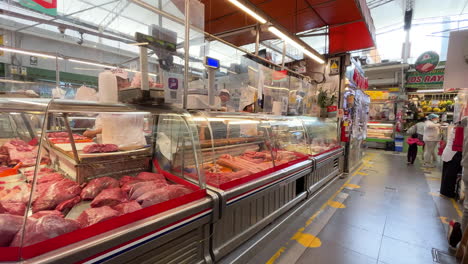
x=67, y=26
x=113, y=15
x=67, y=15
x=118, y=36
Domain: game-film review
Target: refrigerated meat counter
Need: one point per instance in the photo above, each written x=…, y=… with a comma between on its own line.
x=119, y=183
x=116, y=195
x=260, y=166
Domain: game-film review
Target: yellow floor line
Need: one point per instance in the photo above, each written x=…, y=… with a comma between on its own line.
x=309, y=221
x=457, y=208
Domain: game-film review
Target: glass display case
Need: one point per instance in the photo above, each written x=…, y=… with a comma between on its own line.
x=380, y=131
x=239, y=147
x=71, y=170
x=322, y=134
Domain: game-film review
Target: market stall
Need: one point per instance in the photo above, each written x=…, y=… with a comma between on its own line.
x=356, y=116
x=257, y=165
x=118, y=195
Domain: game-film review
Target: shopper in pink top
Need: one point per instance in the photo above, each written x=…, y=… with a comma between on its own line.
x=413, y=143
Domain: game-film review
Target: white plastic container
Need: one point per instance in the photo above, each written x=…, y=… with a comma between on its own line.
x=108, y=92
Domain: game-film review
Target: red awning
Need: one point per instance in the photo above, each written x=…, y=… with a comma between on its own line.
x=351, y=26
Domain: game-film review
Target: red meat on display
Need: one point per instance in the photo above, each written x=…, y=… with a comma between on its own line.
x=140, y=188
x=126, y=208
x=109, y=197
x=20, y=151
x=162, y=194
x=9, y=227
x=12, y=208
x=46, y=227
x=95, y=186
x=67, y=205
x=92, y=216
x=56, y=193
x=153, y=197
x=47, y=212
x=100, y=148
x=149, y=176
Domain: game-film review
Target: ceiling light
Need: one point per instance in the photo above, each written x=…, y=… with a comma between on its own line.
x=31, y=53
x=92, y=63
x=431, y=91
x=248, y=11
x=139, y=44
x=287, y=39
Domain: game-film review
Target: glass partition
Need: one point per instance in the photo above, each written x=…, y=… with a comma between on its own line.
x=322, y=133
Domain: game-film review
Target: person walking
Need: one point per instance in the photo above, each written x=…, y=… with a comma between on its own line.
x=431, y=137
x=413, y=143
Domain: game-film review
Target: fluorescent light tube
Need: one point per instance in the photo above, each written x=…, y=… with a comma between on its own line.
x=31, y=53
x=287, y=39
x=431, y=91
x=248, y=11
x=92, y=63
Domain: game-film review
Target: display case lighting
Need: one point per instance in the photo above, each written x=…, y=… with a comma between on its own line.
x=289, y=40
x=248, y=11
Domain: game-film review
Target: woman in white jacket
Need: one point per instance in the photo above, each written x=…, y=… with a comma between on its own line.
x=431, y=137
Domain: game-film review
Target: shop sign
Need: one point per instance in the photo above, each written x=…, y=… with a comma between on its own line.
x=432, y=79
x=377, y=95
x=427, y=62
x=48, y=7
x=33, y=60
x=1, y=43
x=279, y=76
x=334, y=66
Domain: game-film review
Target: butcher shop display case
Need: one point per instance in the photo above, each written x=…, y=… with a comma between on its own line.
x=81, y=179
x=254, y=171
x=327, y=153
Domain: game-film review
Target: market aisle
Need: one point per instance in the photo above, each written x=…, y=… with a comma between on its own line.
x=384, y=213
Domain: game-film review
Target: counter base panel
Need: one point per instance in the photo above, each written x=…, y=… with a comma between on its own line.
x=325, y=170
x=244, y=218
x=257, y=243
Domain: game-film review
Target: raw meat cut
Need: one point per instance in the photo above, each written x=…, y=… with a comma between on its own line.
x=125, y=179
x=46, y=227
x=142, y=187
x=47, y=212
x=67, y=205
x=41, y=170
x=64, y=136
x=100, y=148
x=12, y=208
x=18, y=194
x=109, y=197
x=20, y=151
x=95, y=186
x=51, y=177
x=128, y=186
x=153, y=197
x=220, y=178
x=177, y=190
x=129, y=207
x=149, y=176
x=56, y=193
x=162, y=194
x=92, y=216
x=9, y=227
